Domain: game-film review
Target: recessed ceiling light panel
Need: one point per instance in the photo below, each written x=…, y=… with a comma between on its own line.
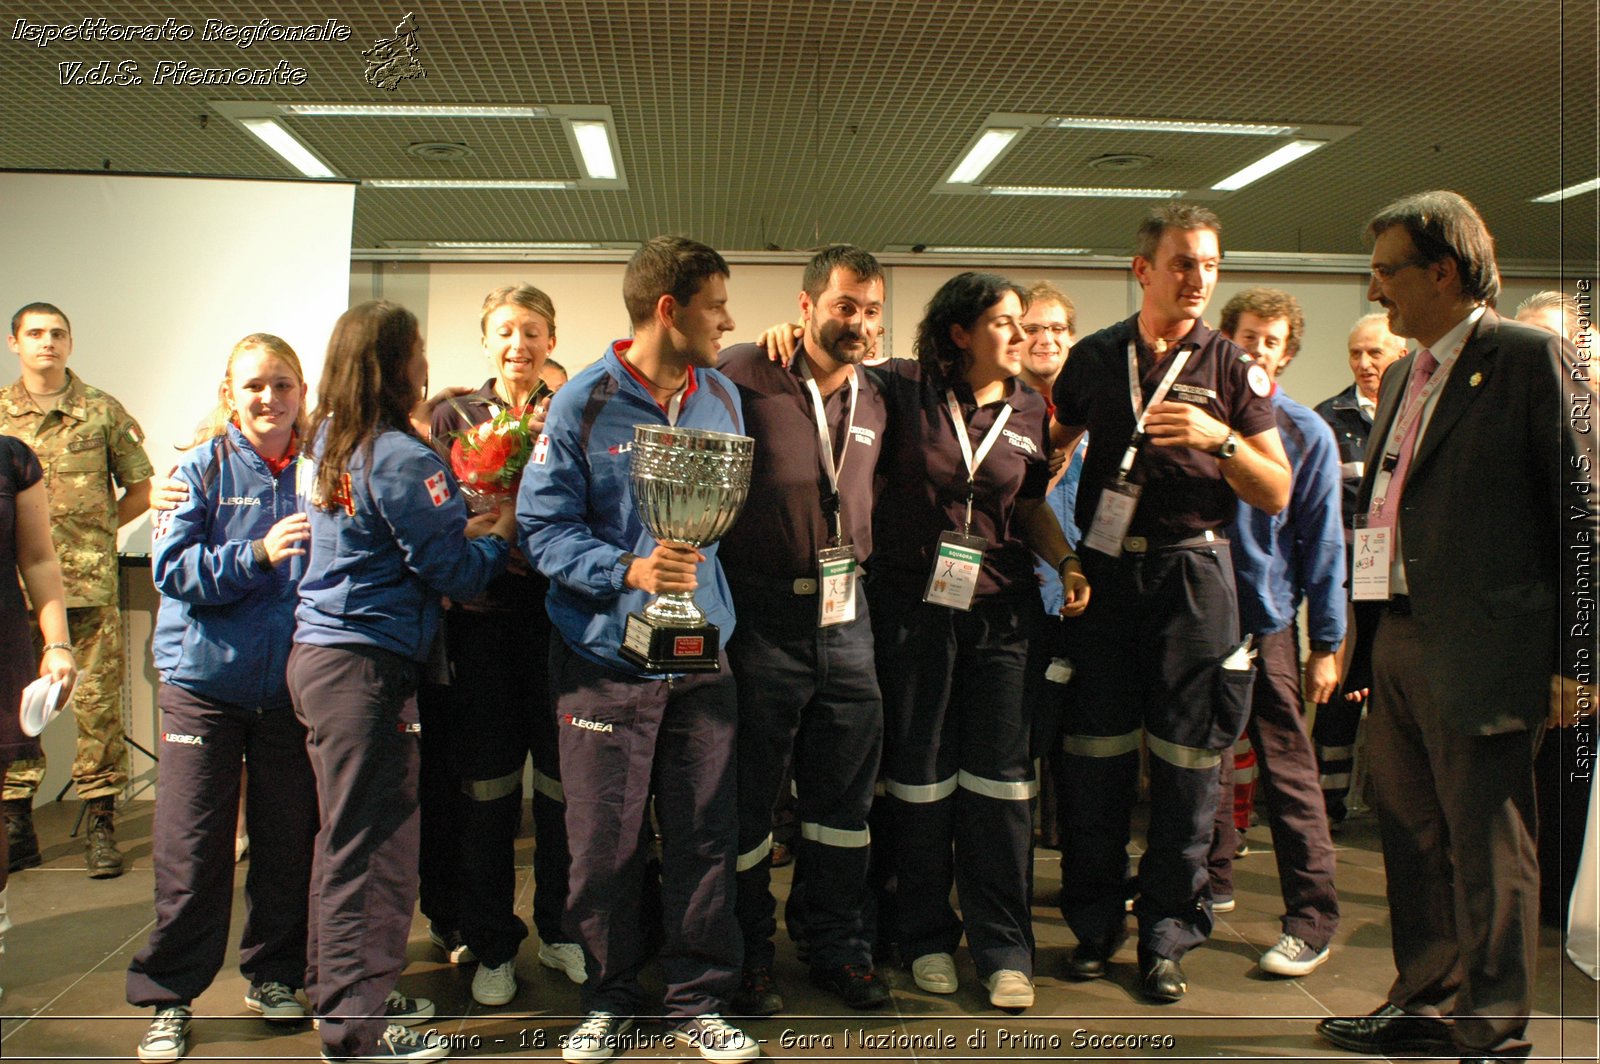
x=1568, y=192
x=1157, y=125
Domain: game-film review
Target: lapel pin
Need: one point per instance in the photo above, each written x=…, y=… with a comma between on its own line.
x=1475, y=380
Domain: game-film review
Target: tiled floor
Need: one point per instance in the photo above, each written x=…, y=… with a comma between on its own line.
x=73, y=938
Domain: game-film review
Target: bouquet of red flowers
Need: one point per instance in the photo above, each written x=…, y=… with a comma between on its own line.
x=489, y=458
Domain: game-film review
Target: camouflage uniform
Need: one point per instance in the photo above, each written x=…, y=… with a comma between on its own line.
x=84, y=443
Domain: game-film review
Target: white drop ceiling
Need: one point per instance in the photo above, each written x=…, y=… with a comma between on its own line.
x=757, y=125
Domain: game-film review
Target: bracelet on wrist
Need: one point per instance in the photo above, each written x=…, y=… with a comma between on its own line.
x=48, y=647
x=1062, y=564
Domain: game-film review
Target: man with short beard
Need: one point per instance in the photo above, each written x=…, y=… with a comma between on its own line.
x=803, y=653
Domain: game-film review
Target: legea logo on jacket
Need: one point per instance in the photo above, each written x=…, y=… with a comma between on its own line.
x=587, y=725
x=238, y=500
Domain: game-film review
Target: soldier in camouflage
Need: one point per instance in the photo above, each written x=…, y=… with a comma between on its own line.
x=88, y=445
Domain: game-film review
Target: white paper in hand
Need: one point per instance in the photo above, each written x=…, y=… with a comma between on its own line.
x=41, y=702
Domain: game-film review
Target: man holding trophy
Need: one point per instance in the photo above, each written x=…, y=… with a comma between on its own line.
x=640, y=469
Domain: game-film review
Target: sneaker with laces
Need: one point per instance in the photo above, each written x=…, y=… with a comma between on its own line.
x=406, y=1011
x=1010, y=989
x=398, y=1043
x=717, y=1039
x=449, y=942
x=935, y=973
x=598, y=1037
x=857, y=985
x=275, y=1001
x=1291, y=956
x=495, y=984
x=564, y=957
x=168, y=1036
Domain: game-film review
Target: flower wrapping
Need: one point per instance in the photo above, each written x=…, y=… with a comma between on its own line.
x=489, y=457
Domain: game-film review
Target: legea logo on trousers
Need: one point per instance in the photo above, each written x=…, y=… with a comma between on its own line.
x=588, y=725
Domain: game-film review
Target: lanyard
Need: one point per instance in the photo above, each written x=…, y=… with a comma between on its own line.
x=1136, y=394
x=1416, y=404
x=832, y=503
x=973, y=461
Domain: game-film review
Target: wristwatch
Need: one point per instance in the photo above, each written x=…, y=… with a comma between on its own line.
x=1229, y=448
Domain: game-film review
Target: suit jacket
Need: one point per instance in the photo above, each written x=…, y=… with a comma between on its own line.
x=1497, y=515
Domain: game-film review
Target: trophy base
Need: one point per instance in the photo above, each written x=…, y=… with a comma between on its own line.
x=676, y=648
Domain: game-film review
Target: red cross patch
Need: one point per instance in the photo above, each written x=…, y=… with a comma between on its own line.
x=438, y=487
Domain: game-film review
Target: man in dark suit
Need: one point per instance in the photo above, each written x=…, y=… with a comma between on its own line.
x=1477, y=478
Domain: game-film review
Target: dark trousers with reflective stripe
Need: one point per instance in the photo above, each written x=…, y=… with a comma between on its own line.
x=1152, y=641
x=623, y=741
x=498, y=713
x=359, y=707
x=204, y=745
x=1287, y=771
x=957, y=773
x=810, y=694
x=1456, y=814
x=1337, y=723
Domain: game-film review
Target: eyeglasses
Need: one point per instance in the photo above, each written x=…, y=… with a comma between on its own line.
x=1384, y=273
x=1057, y=332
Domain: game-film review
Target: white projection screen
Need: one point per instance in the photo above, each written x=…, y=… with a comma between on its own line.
x=160, y=276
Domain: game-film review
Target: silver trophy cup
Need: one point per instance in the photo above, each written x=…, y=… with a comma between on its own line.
x=688, y=487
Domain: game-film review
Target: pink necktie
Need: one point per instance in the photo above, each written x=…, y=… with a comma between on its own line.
x=1423, y=370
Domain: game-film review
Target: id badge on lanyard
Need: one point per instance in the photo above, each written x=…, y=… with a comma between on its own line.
x=837, y=567
x=1114, y=513
x=1371, y=553
x=956, y=565
x=958, y=559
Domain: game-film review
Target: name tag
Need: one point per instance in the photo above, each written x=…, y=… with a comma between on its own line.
x=836, y=590
x=956, y=565
x=1112, y=518
x=1369, y=562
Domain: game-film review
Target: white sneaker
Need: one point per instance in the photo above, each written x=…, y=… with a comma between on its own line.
x=1291, y=956
x=168, y=1036
x=598, y=1037
x=495, y=985
x=566, y=957
x=1010, y=989
x=935, y=973
x=717, y=1039
x=1223, y=905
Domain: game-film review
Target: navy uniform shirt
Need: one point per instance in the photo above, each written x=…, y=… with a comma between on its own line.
x=782, y=526
x=1184, y=492
x=925, y=479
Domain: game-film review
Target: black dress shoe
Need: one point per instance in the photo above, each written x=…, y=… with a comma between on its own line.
x=1389, y=1029
x=1161, y=978
x=1092, y=960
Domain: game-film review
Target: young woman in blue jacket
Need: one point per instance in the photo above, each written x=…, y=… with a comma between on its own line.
x=227, y=562
x=390, y=536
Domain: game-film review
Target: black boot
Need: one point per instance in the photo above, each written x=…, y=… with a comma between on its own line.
x=101, y=853
x=21, y=843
